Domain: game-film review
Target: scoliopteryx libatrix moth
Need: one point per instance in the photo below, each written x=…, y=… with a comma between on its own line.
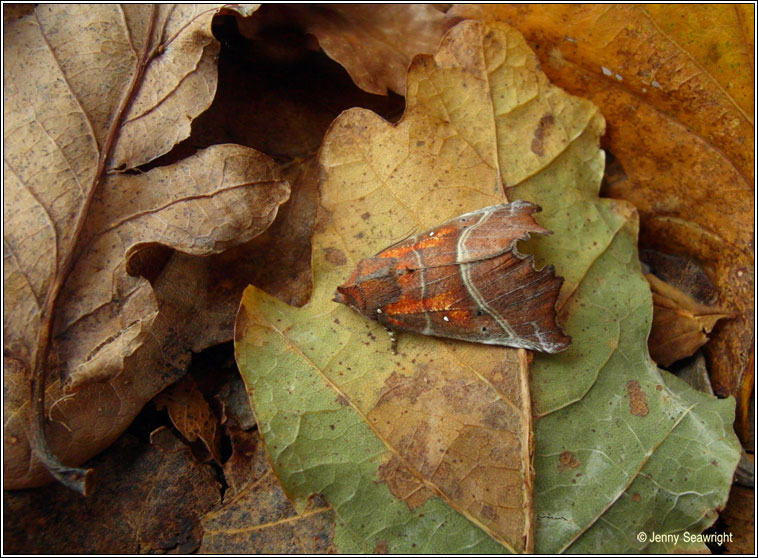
x=466, y=280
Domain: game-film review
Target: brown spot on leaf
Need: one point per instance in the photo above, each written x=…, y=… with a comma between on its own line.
x=403, y=484
x=489, y=512
x=381, y=547
x=323, y=217
x=568, y=460
x=538, y=147
x=464, y=394
x=496, y=416
x=398, y=386
x=636, y=497
x=335, y=256
x=637, y=402
x=459, y=435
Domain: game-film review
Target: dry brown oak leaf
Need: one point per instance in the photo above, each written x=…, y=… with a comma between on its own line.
x=374, y=43
x=191, y=414
x=676, y=87
x=89, y=91
x=278, y=94
x=680, y=324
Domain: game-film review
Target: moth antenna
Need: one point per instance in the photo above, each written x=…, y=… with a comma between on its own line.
x=393, y=340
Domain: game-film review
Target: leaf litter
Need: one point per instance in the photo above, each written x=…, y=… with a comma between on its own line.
x=92, y=91
x=567, y=460
x=383, y=182
x=680, y=123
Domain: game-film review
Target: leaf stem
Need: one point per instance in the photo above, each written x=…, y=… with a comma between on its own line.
x=77, y=479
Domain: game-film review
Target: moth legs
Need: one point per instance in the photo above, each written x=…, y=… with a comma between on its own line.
x=393, y=340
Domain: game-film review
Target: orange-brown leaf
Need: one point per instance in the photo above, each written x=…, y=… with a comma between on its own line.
x=739, y=518
x=374, y=43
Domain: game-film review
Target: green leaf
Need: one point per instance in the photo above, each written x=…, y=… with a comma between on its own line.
x=428, y=451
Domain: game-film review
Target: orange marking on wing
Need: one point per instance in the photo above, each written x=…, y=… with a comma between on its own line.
x=415, y=306
x=426, y=242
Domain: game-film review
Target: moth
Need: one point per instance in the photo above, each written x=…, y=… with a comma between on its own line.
x=464, y=279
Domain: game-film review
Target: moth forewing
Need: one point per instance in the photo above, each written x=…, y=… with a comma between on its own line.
x=464, y=279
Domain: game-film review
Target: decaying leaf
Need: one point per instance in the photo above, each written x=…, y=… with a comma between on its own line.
x=680, y=272
x=676, y=85
x=375, y=43
x=191, y=414
x=745, y=474
x=279, y=259
x=234, y=402
x=739, y=519
x=256, y=517
x=435, y=441
x=89, y=90
x=304, y=91
x=695, y=373
x=247, y=463
x=261, y=520
x=150, y=499
x=680, y=324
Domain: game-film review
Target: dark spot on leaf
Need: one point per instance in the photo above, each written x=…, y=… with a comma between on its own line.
x=567, y=460
x=637, y=401
x=335, y=256
x=488, y=512
x=538, y=147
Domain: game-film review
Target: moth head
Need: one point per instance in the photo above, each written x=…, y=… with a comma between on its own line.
x=372, y=286
x=350, y=295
